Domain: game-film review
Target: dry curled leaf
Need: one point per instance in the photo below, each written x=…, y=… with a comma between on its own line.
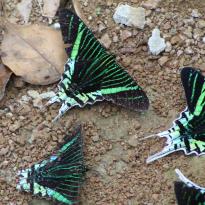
x=5, y=75
x=35, y=52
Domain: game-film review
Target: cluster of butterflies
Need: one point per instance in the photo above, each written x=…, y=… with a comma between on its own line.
x=92, y=74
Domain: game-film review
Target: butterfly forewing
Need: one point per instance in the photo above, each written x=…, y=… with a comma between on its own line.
x=84, y=45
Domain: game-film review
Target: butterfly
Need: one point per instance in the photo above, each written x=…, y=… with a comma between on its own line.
x=92, y=74
x=59, y=177
x=188, y=131
x=187, y=192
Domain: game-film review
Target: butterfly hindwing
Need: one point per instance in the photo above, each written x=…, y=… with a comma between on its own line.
x=188, y=131
x=61, y=176
x=186, y=195
x=187, y=192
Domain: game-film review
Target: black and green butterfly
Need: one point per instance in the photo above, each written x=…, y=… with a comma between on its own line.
x=92, y=74
x=59, y=177
x=187, y=192
x=188, y=131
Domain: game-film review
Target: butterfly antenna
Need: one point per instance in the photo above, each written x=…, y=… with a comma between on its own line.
x=148, y=137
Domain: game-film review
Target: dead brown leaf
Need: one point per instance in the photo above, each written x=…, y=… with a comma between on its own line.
x=35, y=52
x=5, y=75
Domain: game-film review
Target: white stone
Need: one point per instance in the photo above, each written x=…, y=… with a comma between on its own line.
x=203, y=39
x=130, y=16
x=195, y=13
x=25, y=99
x=156, y=43
x=34, y=94
x=105, y=40
x=47, y=95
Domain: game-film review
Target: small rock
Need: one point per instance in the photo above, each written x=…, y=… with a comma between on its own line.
x=25, y=99
x=90, y=18
x=130, y=16
x=201, y=24
x=105, y=40
x=38, y=103
x=2, y=139
x=188, y=51
x=195, y=13
x=4, y=151
x=15, y=126
x=155, y=197
x=137, y=125
x=95, y=138
x=133, y=141
x=175, y=40
x=34, y=94
x=188, y=32
x=168, y=47
x=115, y=38
x=150, y=4
x=167, y=26
x=47, y=95
x=198, y=33
x=156, y=43
x=179, y=52
x=125, y=34
x=101, y=27
x=25, y=110
x=9, y=115
x=203, y=39
x=120, y=166
x=163, y=60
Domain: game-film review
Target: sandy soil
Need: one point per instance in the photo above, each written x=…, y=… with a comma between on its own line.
x=115, y=157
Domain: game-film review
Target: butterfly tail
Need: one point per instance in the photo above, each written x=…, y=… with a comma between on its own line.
x=165, y=151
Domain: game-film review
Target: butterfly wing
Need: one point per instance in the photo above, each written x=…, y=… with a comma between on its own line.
x=194, y=87
x=91, y=74
x=82, y=44
x=102, y=79
x=187, y=192
x=186, y=195
x=188, y=131
x=61, y=176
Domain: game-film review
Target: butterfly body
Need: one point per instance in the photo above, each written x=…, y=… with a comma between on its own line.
x=92, y=74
